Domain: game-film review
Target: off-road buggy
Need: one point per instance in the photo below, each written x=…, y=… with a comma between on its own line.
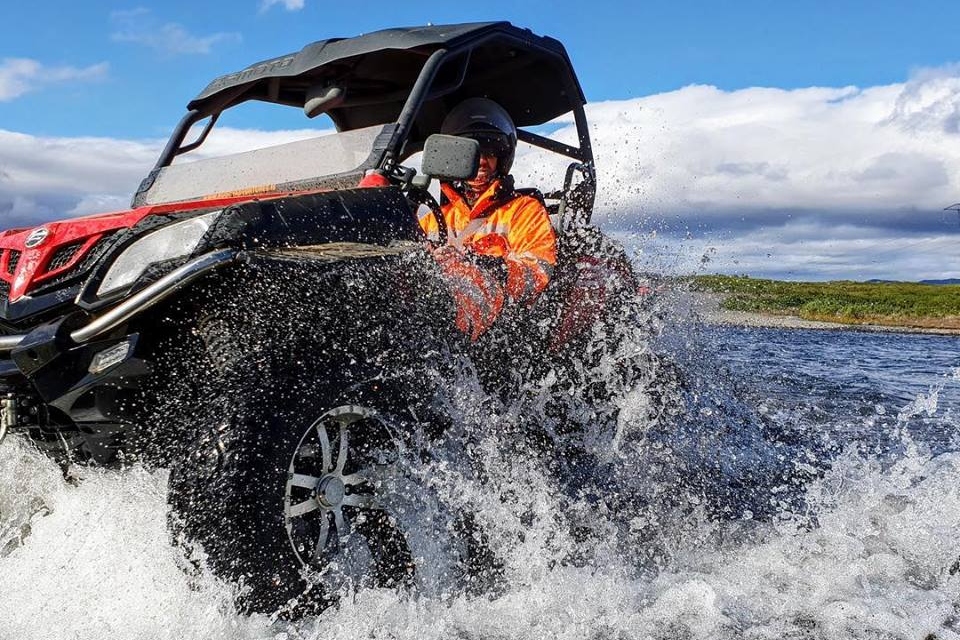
x=275, y=334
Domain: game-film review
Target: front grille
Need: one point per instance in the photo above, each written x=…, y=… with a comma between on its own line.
x=63, y=256
x=80, y=269
x=12, y=261
x=96, y=252
x=4, y=289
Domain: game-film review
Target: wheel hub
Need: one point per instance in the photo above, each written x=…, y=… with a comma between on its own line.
x=330, y=491
x=331, y=482
x=344, y=494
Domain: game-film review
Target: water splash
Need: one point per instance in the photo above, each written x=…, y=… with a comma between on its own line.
x=663, y=533
x=91, y=557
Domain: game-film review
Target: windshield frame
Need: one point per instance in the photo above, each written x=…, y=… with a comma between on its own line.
x=413, y=124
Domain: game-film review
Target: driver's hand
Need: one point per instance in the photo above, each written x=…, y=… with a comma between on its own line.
x=447, y=254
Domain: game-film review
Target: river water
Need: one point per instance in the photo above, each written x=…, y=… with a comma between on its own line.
x=808, y=489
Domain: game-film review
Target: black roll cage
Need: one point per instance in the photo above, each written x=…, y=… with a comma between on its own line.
x=398, y=146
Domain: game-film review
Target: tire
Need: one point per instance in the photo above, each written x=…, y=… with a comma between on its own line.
x=299, y=504
x=300, y=480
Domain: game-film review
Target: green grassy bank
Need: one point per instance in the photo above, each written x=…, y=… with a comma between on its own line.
x=892, y=304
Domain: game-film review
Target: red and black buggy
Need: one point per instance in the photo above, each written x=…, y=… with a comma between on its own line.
x=275, y=334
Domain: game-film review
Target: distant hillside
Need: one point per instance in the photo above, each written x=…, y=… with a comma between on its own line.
x=943, y=281
x=888, y=303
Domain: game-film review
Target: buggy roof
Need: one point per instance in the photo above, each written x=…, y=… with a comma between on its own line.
x=530, y=75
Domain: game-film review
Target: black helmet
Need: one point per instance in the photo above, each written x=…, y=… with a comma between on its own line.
x=489, y=124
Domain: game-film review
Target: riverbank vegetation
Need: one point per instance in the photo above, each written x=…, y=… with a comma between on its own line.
x=882, y=303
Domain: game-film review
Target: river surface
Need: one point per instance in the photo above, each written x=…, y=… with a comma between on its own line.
x=809, y=488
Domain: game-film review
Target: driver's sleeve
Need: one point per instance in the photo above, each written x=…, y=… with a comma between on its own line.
x=428, y=223
x=532, y=250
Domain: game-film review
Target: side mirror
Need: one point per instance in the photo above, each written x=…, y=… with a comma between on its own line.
x=450, y=157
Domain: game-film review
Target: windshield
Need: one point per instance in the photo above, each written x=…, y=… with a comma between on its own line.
x=292, y=166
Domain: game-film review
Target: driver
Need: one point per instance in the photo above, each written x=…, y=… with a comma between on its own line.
x=501, y=248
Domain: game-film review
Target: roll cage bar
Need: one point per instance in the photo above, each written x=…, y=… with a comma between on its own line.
x=401, y=137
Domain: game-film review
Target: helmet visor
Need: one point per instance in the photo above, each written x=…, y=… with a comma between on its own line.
x=493, y=144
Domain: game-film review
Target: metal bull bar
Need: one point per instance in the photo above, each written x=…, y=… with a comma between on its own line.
x=140, y=301
x=180, y=277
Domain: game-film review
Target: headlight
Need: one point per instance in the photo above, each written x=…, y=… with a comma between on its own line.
x=173, y=241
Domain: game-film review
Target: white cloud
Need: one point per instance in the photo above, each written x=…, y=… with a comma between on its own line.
x=702, y=149
x=57, y=175
x=22, y=75
x=289, y=5
x=930, y=101
x=139, y=26
x=803, y=252
x=47, y=178
x=807, y=183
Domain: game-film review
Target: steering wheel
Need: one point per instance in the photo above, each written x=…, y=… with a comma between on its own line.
x=418, y=196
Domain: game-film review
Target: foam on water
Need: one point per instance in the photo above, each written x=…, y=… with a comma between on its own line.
x=97, y=562
x=92, y=558
x=864, y=551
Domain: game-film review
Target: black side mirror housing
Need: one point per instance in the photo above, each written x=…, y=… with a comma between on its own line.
x=450, y=157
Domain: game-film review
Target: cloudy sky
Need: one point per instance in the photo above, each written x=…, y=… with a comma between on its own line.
x=815, y=141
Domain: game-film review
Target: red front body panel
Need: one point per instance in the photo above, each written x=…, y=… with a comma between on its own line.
x=26, y=262
x=30, y=257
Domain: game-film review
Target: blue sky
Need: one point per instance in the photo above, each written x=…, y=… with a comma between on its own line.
x=158, y=55
x=710, y=98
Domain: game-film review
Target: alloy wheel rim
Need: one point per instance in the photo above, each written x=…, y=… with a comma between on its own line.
x=332, y=484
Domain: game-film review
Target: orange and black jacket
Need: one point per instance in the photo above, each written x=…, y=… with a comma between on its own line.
x=502, y=224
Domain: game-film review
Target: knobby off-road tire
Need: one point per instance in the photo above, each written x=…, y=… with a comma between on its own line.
x=291, y=498
x=299, y=478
